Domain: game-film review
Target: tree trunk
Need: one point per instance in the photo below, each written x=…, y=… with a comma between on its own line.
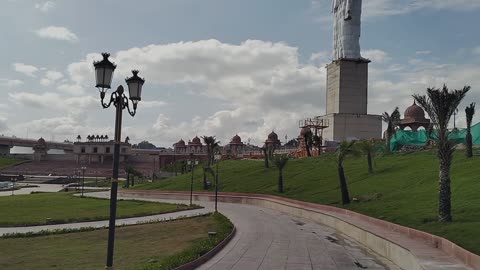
x=205, y=187
x=343, y=185
x=444, y=198
x=133, y=180
x=280, y=181
x=309, y=154
x=387, y=147
x=369, y=159
x=469, y=150
x=128, y=180
x=209, y=156
x=265, y=155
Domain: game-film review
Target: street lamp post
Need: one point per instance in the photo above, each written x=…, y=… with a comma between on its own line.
x=103, y=74
x=192, y=162
x=217, y=157
x=83, y=179
x=175, y=161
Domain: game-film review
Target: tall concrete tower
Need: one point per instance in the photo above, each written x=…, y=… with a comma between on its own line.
x=347, y=80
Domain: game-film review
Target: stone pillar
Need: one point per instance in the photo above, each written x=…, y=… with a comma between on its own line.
x=39, y=153
x=347, y=86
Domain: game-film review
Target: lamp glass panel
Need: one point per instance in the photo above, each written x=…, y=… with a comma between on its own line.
x=134, y=89
x=108, y=77
x=99, y=76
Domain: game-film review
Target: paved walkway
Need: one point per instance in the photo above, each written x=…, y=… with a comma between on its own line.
x=40, y=188
x=268, y=239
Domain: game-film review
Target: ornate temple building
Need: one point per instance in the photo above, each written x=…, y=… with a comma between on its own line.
x=194, y=146
x=272, y=139
x=414, y=118
x=236, y=147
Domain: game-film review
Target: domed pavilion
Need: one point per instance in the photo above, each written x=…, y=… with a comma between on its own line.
x=236, y=145
x=180, y=147
x=272, y=139
x=414, y=118
x=195, y=145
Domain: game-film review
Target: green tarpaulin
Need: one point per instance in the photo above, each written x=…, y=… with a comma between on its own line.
x=419, y=138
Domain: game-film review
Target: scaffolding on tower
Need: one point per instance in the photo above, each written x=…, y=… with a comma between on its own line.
x=315, y=124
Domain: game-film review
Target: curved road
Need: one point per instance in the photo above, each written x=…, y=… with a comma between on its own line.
x=269, y=239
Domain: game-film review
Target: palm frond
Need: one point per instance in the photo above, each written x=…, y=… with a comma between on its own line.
x=469, y=112
x=279, y=160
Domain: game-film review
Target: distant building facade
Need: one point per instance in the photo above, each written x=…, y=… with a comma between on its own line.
x=98, y=149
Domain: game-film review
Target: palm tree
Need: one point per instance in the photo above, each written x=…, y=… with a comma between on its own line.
x=392, y=121
x=308, y=138
x=131, y=173
x=280, y=161
x=345, y=149
x=211, y=143
x=368, y=148
x=469, y=111
x=429, y=132
x=440, y=104
x=265, y=155
x=317, y=142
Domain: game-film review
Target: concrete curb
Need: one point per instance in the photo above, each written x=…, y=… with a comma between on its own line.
x=407, y=247
x=207, y=256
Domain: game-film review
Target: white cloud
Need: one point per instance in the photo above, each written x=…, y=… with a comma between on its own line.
x=63, y=125
x=425, y=52
x=28, y=70
x=262, y=85
x=71, y=89
x=54, y=101
x=57, y=32
x=45, y=6
x=378, y=56
x=152, y=104
x=51, y=76
x=3, y=124
x=11, y=83
x=257, y=87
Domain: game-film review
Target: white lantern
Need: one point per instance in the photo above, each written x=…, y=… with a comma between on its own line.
x=104, y=72
x=135, y=84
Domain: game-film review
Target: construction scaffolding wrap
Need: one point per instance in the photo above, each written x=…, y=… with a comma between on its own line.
x=419, y=138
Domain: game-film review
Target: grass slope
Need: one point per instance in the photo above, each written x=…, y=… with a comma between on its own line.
x=403, y=189
x=8, y=162
x=33, y=209
x=151, y=246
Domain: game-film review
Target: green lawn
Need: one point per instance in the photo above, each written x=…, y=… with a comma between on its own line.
x=403, y=189
x=7, y=162
x=136, y=247
x=33, y=209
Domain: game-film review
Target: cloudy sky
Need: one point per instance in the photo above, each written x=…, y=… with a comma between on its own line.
x=218, y=67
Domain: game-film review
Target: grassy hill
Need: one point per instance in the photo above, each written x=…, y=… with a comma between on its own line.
x=8, y=162
x=403, y=189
